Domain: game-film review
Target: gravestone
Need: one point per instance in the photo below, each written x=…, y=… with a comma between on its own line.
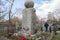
x=29, y=19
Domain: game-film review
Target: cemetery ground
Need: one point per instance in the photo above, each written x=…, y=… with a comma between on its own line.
x=6, y=37
x=57, y=37
x=12, y=37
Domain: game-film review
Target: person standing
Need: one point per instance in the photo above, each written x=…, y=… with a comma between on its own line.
x=46, y=26
x=54, y=28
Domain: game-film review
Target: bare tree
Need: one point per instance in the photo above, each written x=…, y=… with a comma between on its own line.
x=57, y=13
x=3, y=9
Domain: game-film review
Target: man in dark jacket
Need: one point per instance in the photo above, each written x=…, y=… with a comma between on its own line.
x=46, y=26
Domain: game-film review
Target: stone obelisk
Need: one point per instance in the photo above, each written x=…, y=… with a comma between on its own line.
x=29, y=18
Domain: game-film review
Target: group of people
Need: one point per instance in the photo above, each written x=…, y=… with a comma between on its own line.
x=49, y=28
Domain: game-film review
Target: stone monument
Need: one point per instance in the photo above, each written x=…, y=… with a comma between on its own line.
x=29, y=19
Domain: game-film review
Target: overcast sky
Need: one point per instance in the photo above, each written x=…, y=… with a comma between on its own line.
x=42, y=6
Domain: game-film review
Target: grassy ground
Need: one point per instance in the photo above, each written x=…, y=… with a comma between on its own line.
x=56, y=37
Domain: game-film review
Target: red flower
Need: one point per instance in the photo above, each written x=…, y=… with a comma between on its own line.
x=29, y=35
x=22, y=38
